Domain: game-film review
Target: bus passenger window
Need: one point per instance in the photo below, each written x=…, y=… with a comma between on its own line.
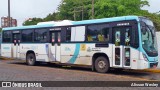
x=89, y=37
x=40, y=35
x=105, y=32
x=27, y=36
x=98, y=33
x=6, y=36
x=100, y=37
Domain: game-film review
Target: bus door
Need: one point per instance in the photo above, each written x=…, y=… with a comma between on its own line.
x=121, y=47
x=16, y=45
x=55, y=39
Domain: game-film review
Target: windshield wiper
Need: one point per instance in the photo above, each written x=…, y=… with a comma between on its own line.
x=151, y=30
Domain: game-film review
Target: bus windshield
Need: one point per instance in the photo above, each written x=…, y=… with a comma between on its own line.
x=149, y=42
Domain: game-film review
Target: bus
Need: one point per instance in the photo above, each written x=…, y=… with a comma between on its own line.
x=126, y=42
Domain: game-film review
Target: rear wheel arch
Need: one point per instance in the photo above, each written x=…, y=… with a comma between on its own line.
x=30, y=55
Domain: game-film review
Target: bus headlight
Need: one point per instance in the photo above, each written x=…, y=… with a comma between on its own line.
x=145, y=57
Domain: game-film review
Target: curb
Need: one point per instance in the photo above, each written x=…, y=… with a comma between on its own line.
x=157, y=70
x=152, y=70
x=2, y=58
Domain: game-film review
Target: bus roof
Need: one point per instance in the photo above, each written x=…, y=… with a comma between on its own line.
x=122, y=18
x=113, y=19
x=28, y=27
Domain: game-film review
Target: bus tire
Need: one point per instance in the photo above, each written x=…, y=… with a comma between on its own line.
x=31, y=59
x=102, y=64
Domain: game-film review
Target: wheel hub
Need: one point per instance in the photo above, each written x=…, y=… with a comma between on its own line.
x=101, y=64
x=31, y=60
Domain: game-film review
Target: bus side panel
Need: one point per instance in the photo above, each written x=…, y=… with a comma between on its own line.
x=87, y=51
x=85, y=54
x=6, y=50
x=68, y=53
x=142, y=63
x=135, y=57
x=82, y=53
x=137, y=60
x=109, y=52
x=40, y=50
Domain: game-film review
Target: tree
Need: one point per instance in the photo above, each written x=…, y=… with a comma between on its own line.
x=82, y=9
x=103, y=8
x=68, y=8
x=113, y=8
x=32, y=21
x=51, y=17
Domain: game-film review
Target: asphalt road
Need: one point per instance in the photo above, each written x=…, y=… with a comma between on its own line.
x=13, y=70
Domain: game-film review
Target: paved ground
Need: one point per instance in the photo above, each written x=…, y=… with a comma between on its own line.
x=12, y=70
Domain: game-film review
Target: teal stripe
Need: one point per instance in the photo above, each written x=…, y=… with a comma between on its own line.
x=50, y=43
x=76, y=53
x=28, y=27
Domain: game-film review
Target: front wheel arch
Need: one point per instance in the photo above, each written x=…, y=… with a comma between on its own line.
x=95, y=56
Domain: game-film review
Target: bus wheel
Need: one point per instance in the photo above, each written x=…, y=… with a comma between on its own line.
x=102, y=65
x=31, y=59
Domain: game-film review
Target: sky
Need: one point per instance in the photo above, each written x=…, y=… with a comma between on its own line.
x=24, y=9
x=154, y=6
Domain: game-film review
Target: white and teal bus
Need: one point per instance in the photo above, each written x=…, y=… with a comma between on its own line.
x=126, y=42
